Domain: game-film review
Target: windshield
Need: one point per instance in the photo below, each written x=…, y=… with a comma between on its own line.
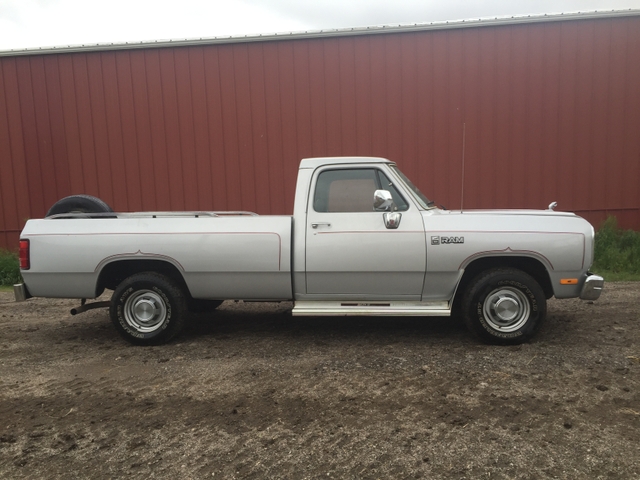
x=423, y=201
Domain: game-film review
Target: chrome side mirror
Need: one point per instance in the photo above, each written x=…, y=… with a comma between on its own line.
x=382, y=201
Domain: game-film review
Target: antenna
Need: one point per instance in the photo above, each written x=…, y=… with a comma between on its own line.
x=464, y=129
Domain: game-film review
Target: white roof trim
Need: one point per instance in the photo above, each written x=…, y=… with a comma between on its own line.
x=340, y=32
x=316, y=162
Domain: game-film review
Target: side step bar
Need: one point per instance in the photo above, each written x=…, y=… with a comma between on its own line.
x=372, y=308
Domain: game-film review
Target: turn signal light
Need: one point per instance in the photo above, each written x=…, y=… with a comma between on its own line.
x=25, y=262
x=568, y=281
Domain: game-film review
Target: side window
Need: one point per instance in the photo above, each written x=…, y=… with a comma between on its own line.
x=351, y=190
x=345, y=191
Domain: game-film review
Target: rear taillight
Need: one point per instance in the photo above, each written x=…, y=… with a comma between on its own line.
x=25, y=262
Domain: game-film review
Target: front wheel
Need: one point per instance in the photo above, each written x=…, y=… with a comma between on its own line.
x=148, y=309
x=504, y=306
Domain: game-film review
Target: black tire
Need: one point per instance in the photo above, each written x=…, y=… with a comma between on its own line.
x=504, y=306
x=197, y=305
x=79, y=204
x=148, y=309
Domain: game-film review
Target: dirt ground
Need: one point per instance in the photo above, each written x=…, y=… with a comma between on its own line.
x=250, y=392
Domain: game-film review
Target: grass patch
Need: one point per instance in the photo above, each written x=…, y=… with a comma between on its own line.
x=9, y=268
x=617, y=253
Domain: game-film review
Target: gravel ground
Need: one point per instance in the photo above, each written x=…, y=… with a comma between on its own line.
x=250, y=392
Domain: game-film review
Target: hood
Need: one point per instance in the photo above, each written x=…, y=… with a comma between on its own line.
x=505, y=221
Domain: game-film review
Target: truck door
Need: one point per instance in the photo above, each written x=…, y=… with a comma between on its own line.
x=350, y=251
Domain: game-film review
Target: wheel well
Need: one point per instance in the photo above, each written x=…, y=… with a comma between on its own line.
x=529, y=265
x=114, y=273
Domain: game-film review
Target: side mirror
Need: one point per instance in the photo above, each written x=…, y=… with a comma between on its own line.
x=382, y=201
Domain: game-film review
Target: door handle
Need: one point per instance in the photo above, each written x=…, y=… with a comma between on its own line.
x=315, y=225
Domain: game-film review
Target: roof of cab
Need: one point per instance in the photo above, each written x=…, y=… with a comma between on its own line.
x=321, y=161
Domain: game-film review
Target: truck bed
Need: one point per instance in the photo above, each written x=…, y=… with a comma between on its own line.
x=221, y=255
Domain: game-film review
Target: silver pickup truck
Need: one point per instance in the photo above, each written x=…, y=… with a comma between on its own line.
x=363, y=240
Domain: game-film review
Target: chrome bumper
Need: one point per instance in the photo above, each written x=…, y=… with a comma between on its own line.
x=592, y=287
x=20, y=292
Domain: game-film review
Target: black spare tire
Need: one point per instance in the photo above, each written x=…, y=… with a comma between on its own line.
x=79, y=204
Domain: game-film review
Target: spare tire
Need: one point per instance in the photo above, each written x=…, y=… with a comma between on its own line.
x=79, y=204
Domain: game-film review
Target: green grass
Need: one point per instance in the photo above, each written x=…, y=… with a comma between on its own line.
x=617, y=253
x=9, y=268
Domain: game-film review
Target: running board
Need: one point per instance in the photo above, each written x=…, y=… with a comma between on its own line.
x=345, y=308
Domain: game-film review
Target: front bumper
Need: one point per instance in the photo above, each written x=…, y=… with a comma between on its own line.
x=592, y=287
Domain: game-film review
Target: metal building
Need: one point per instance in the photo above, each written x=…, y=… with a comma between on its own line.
x=549, y=107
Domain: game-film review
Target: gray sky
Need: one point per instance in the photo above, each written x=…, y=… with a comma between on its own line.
x=44, y=23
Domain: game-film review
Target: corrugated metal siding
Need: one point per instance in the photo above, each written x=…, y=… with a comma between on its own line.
x=552, y=112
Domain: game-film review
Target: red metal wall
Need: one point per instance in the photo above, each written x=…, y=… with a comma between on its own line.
x=552, y=112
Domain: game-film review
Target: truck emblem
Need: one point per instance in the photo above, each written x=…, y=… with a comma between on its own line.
x=443, y=240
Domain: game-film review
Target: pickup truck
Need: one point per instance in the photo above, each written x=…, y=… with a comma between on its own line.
x=363, y=240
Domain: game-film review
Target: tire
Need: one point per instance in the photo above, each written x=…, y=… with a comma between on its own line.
x=148, y=309
x=197, y=305
x=504, y=306
x=79, y=204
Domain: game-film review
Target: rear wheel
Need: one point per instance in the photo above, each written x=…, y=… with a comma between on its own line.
x=504, y=306
x=148, y=309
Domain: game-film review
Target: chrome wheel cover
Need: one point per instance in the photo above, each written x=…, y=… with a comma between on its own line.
x=145, y=311
x=506, y=309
